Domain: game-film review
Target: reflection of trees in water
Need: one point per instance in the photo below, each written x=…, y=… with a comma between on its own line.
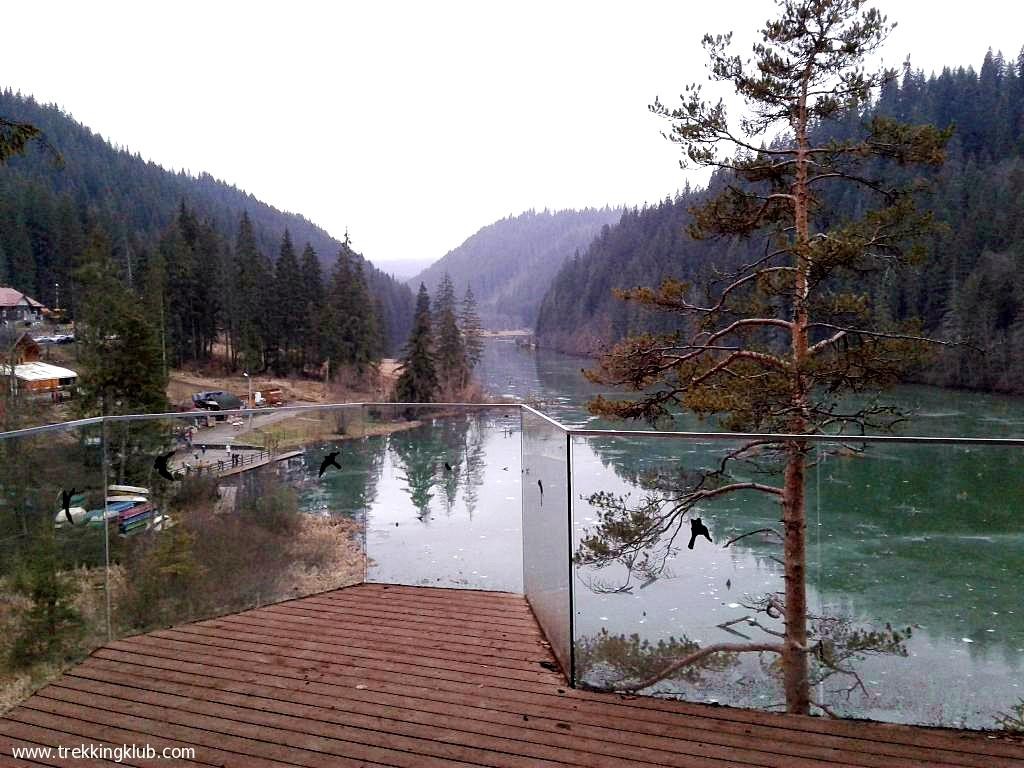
x=423, y=452
x=353, y=489
x=475, y=457
x=902, y=531
x=605, y=661
x=418, y=452
x=924, y=537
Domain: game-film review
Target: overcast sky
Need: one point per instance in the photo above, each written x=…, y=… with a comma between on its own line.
x=413, y=124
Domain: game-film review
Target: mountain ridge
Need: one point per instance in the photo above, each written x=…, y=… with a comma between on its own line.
x=968, y=286
x=135, y=200
x=510, y=262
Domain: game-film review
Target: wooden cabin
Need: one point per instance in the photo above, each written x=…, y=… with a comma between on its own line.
x=40, y=379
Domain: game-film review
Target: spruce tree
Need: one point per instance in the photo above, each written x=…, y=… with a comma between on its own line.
x=287, y=304
x=310, y=317
x=365, y=330
x=472, y=333
x=179, y=258
x=154, y=299
x=451, y=352
x=417, y=380
x=248, y=274
x=351, y=337
x=337, y=335
x=50, y=625
x=121, y=363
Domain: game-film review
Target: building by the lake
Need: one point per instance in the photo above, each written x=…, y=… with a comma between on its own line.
x=16, y=308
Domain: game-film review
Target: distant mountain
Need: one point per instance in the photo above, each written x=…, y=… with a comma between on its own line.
x=404, y=269
x=580, y=315
x=510, y=263
x=134, y=201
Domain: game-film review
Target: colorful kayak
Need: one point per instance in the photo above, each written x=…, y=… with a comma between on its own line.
x=132, y=489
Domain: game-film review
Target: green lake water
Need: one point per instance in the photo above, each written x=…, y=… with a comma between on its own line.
x=927, y=537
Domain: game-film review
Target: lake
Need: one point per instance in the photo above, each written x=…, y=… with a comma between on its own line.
x=924, y=537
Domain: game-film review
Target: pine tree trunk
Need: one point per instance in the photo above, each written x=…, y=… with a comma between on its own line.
x=794, y=657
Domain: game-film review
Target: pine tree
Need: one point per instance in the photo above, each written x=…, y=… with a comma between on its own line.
x=154, y=299
x=417, y=380
x=50, y=624
x=367, y=344
x=337, y=335
x=472, y=333
x=287, y=302
x=771, y=345
x=120, y=356
x=310, y=317
x=210, y=251
x=450, y=352
x=351, y=336
x=15, y=138
x=179, y=258
x=248, y=274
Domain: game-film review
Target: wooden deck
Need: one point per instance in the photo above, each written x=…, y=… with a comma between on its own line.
x=401, y=676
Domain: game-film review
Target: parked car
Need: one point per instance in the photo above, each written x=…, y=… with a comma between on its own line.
x=216, y=401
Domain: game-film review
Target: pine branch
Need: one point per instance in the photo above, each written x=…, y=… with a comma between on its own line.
x=733, y=540
x=693, y=658
x=843, y=332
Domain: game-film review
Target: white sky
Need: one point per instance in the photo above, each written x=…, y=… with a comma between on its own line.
x=416, y=123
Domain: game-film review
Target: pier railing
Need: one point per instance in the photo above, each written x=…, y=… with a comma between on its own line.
x=914, y=545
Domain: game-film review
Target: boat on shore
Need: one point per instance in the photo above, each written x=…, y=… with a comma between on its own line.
x=129, y=506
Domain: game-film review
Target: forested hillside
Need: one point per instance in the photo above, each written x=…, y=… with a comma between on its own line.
x=969, y=285
x=46, y=212
x=509, y=264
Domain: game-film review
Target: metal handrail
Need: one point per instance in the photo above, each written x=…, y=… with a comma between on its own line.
x=573, y=431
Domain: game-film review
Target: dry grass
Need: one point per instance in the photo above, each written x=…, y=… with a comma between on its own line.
x=335, y=546
x=184, y=383
x=18, y=685
x=303, y=429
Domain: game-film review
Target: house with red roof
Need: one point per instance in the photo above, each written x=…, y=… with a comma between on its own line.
x=18, y=309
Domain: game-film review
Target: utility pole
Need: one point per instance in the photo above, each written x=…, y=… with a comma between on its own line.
x=249, y=402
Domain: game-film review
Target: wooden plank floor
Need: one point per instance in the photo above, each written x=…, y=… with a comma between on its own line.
x=378, y=675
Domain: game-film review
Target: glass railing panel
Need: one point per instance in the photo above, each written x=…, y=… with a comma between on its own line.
x=644, y=598
x=546, y=535
x=53, y=551
x=218, y=513
x=447, y=509
x=917, y=579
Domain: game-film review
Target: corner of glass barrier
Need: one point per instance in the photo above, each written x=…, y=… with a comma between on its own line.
x=129, y=523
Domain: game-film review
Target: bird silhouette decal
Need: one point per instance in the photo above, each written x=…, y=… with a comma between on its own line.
x=65, y=502
x=541, y=486
x=330, y=460
x=697, y=528
x=160, y=465
x=447, y=467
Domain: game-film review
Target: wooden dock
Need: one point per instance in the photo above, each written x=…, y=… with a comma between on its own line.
x=243, y=462
x=377, y=675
